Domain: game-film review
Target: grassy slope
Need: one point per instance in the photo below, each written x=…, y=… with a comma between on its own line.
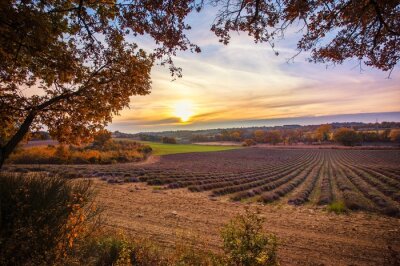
x=163, y=149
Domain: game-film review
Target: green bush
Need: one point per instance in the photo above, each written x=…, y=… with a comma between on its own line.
x=118, y=249
x=45, y=220
x=337, y=207
x=245, y=243
x=41, y=217
x=100, y=251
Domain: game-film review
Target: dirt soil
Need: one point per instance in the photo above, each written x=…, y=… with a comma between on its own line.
x=308, y=235
x=152, y=159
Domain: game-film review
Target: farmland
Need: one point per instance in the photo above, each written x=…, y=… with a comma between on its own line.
x=194, y=194
x=307, y=236
x=204, y=133
x=361, y=180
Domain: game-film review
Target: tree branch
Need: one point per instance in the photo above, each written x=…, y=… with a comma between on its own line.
x=381, y=19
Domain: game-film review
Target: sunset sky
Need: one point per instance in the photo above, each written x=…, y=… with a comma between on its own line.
x=245, y=82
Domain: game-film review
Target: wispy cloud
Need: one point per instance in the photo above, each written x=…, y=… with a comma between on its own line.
x=246, y=81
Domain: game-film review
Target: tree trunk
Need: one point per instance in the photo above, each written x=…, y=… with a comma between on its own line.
x=1, y=158
x=7, y=149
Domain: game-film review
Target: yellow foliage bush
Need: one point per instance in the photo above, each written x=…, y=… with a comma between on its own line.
x=112, y=152
x=246, y=244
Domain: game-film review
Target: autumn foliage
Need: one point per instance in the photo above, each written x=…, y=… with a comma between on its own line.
x=41, y=217
x=77, y=56
x=332, y=31
x=246, y=244
x=323, y=132
x=111, y=151
x=80, y=58
x=347, y=137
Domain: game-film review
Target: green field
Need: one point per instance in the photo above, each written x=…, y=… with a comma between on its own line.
x=164, y=149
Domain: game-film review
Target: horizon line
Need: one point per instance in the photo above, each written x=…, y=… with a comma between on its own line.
x=269, y=122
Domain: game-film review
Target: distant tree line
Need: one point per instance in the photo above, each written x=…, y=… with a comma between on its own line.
x=148, y=137
x=156, y=138
x=324, y=134
x=343, y=133
x=168, y=140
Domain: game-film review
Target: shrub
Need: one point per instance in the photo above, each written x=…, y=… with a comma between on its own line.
x=248, y=142
x=41, y=217
x=104, y=249
x=62, y=153
x=118, y=249
x=100, y=251
x=145, y=149
x=109, y=152
x=245, y=243
x=337, y=207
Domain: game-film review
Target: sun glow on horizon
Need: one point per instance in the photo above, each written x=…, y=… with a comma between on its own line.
x=183, y=110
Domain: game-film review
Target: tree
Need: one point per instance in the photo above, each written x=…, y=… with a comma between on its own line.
x=347, y=137
x=323, y=132
x=395, y=135
x=273, y=137
x=76, y=54
x=385, y=135
x=169, y=140
x=259, y=135
x=308, y=138
x=369, y=136
x=292, y=136
x=236, y=135
x=225, y=135
x=101, y=138
x=333, y=30
x=200, y=138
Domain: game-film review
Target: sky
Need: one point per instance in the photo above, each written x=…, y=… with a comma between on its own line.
x=246, y=83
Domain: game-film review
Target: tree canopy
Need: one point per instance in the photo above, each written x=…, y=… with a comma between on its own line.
x=77, y=55
x=347, y=137
x=332, y=30
x=81, y=58
x=323, y=132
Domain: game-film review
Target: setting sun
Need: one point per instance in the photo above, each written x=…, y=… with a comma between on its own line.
x=183, y=110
